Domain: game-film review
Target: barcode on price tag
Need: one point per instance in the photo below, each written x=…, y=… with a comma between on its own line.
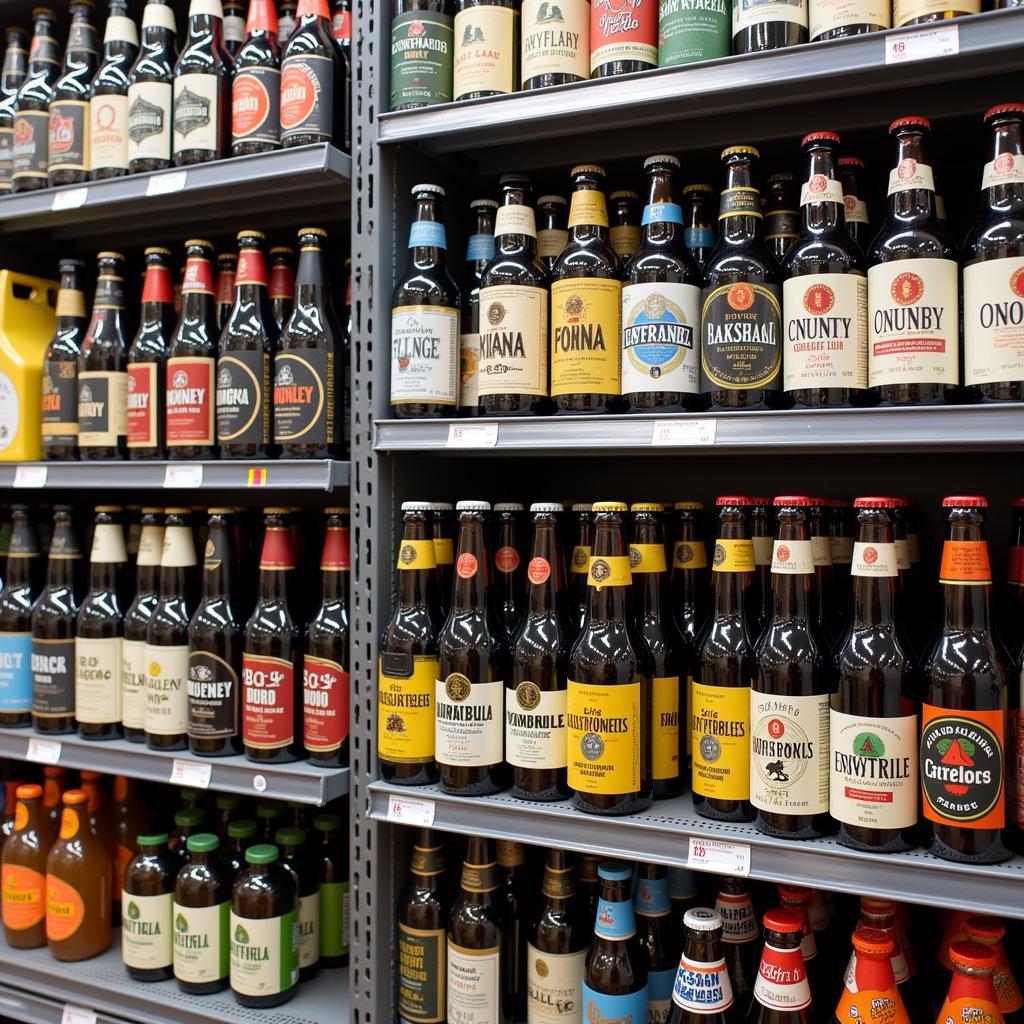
x=77, y=1015
x=183, y=476
x=191, y=773
x=924, y=44
x=43, y=751
x=69, y=199
x=472, y=435
x=684, y=433
x=719, y=856
x=30, y=476
x=410, y=810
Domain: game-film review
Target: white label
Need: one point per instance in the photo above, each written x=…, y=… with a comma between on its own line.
x=902, y=555
x=472, y=435
x=10, y=410
x=515, y=220
x=792, y=557
x=468, y=730
x=309, y=929
x=821, y=551
x=925, y=44
x=146, y=926
x=43, y=751
x=554, y=986
x=473, y=986
x=535, y=727
x=183, y=476
x=158, y=16
x=874, y=560
x=258, y=946
x=820, y=188
x=513, y=340
x=738, y=918
x=994, y=321
x=69, y=199
x=826, y=15
x=913, y=325
x=410, y=810
x=746, y=13
x=469, y=370
x=718, y=856
x=194, y=118
x=120, y=29
x=108, y=131
x=1006, y=169
x=98, y=678
x=763, y=550
x=781, y=981
x=909, y=174
x=234, y=28
x=151, y=544
x=191, y=773
x=702, y=987
x=166, y=183
x=178, y=549
x=77, y=1015
x=30, y=476
x=200, y=933
x=684, y=433
x=660, y=338
x=133, y=683
x=424, y=354
x=166, y=711
x=856, y=210
x=149, y=118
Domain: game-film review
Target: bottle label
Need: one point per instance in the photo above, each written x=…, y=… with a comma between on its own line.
x=234, y=28
x=334, y=919
x=166, y=712
x=149, y=120
x=965, y=563
x=212, y=696
x=469, y=371
x=405, y=708
x=341, y=26
x=65, y=908
x=599, y=1008
x=586, y=320
x=474, y=985
x=421, y=974
x=826, y=331
x=513, y=337
x=856, y=210
x=268, y=701
x=747, y=13
x=309, y=929
x=742, y=325
x=60, y=398
x=659, y=995
x=733, y=556
x=255, y=106
x=820, y=188
x=325, y=704
x=702, y=987
x=873, y=783
x=444, y=551
x=417, y=554
x=53, y=678
x=1010, y=998
x=909, y=174
x=190, y=404
x=662, y=213
x=625, y=239
x=781, y=982
x=554, y=986
x=142, y=406
x=691, y=30
x=994, y=320
x=264, y=954
x=962, y=767
x=720, y=725
x=307, y=96
x=551, y=241
x=828, y=15
x=422, y=44
x=623, y=30
x=974, y=1007
x=478, y=247
x=31, y=144
x=665, y=727
x=738, y=919
x=821, y=551
x=535, y=727
x=873, y=560
x=763, y=550
x=603, y=731
x=69, y=135
x=98, y=677
x=580, y=561
x=424, y=343
x=23, y=897
x=6, y=158
x=469, y=721
x=588, y=206
x=196, y=99
x=781, y=224
x=792, y=557
x=243, y=381
x=703, y=237
x=485, y=57
x=108, y=132
x=555, y=41
x=133, y=684
x=841, y=550
x=1006, y=169
x=610, y=571
x=646, y=558
x=789, y=766
x=660, y=325
x=102, y=408
x=146, y=930
x=201, y=942
x=688, y=554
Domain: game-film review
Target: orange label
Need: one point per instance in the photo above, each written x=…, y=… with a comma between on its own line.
x=68, y=823
x=1010, y=999
x=20, y=816
x=979, y=1011
x=65, y=909
x=965, y=562
x=23, y=891
x=870, y=1006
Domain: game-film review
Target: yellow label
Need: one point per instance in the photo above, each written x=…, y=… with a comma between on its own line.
x=689, y=554
x=405, y=712
x=610, y=571
x=586, y=320
x=647, y=557
x=603, y=729
x=580, y=558
x=733, y=556
x=417, y=554
x=720, y=729
x=444, y=550
x=588, y=207
x=665, y=728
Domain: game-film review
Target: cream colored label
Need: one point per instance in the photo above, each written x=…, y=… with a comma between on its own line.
x=484, y=59
x=513, y=340
x=905, y=11
x=178, y=548
x=842, y=550
x=551, y=241
x=746, y=13
x=821, y=189
x=108, y=544
x=625, y=239
x=108, y=131
x=166, y=694
x=556, y=38
x=994, y=321
x=515, y=220
x=194, y=118
x=120, y=29
x=214, y=8
x=261, y=951
x=763, y=550
x=856, y=210
x=821, y=551
x=874, y=560
x=554, y=986
x=98, y=680
x=792, y=557
x=826, y=15
x=146, y=928
x=1006, y=169
x=158, y=16
x=535, y=727
x=474, y=985
x=133, y=684
x=309, y=929
x=117, y=413
x=151, y=545
x=200, y=942
x=424, y=354
x=908, y=174
x=902, y=550
x=468, y=728
x=469, y=370
x=149, y=114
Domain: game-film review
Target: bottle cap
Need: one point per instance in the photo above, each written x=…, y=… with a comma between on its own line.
x=582, y=506
x=327, y=822
x=697, y=187
x=473, y=506
x=689, y=506
x=156, y=250
x=439, y=506
x=609, y=506
x=614, y=870
x=986, y=930
x=436, y=190
x=247, y=233
x=204, y=842
x=662, y=158
x=120, y=256
x=876, y=503
x=509, y=506
x=797, y=500
x=732, y=499
x=740, y=151
x=73, y=797
x=156, y=839
x=624, y=193
x=965, y=501
x=873, y=942
x=514, y=180
x=823, y=136
x=700, y=919
x=228, y=802
x=903, y=502
x=28, y=791
x=914, y=121
x=484, y=204
x=794, y=894
x=188, y=817
x=244, y=828
x=682, y=883
x=417, y=506
x=851, y=161
x=875, y=905
x=553, y=199
x=262, y=853
x=646, y=506
x=782, y=920
x=290, y=836
x=1002, y=108
x=972, y=955
x=587, y=169
x=547, y=506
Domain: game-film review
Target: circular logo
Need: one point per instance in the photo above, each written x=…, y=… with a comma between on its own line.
x=850, y=203
x=298, y=95
x=407, y=554
x=684, y=553
x=740, y=296
x=655, y=306
x=540, y=967
x=635, y=558
x=495, y=313
x=528, y=695
x=600, y=570
x=250, y=105
x=819, y=299
x=710, y=749
x=592, y=746
x=907, y=288
x=776, y=728
x=870, y=555
x=1003, y=163
x=575, y=307
x=782, y=553
x=817, y=184
x=907, y=168
x=538, y=571
x=106, y=116
x=180, y=379
x=416, y=28
x=466, y=565
x=719, y=556
x=580, y=557
x=1017, y=282
x=506, y=559
x=457, y=687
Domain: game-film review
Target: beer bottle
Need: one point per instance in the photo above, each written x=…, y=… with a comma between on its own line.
x=270, y=816
x=408, y=668
x=798, y=899
x=22, y=583
x=425, y=318
x=166, y=652
x=781, y=215
x=880, y=915
x=720, y=710
x=256, y=84
x=990, y=931
x=535, y=702
x=918, y=297
x=53, y=631
x=972, y=993
x=314, y=104
x=624, y=232
x=555, y=46
x=579, y=568
x=513, y=369
x=699, y=229
x=234, y=26
x=136, y=626
x=31, y=149
x=147, y=360
x=130, y=819
x=229, y=809
x=615, y=977
x=741, y=940
x=658, y=936
x=921, y=12
x=870, y=983
x=993, y=261
x=423, y=912
x=858, y=224
x=1013, y=596
x=422, y=43
x=330, y=867
x=444, y=551
x=486, y=56
x=479, y=253
x=202, y=88
x=341, y=33
x=282, y=284
x=589, y=886
x=15, y=67
x=285, y=20
x=782, y=994
x=841, y=540
x=873, y=724
x=586, y=304
x=741, y=314
x=108, y=103
x=55, y=782
x=512, y=895
x=687, y=33
x=964, y=714
x=609, y=695
x=60, y=367
x=147, y=924
x=309, y=404
x=69, y=105
x=823, y=592
x=473, y=668
x=325, y=665
x=224, y=286
x=291, y=842
x=682, y=893
x=24, y=870
x=241, y=835
x=552, y=230
x=99, y=632
x=825, y=293
x=789, y=701
x=830, y=20
x=202, y=903
x=762, y=539
x=623, y=39
x=769, y=26
x=507, y=591
x=151, y=91
x=192, y=357
x=701, y=989
x=102, y=380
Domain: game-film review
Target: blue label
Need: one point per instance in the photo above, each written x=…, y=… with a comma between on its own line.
x=651, y=897
x=659, y=995
x=699, y=238
x=614, y=920
x=671, y=213
x=427, y=232
x=480, y=247
x=682, y=883
x=601, y=1009
x=16, y=672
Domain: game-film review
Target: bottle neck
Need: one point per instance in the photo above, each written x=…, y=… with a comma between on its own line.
x=70, y=302
x=1007, y=148
x=663, y=216
x=873, y=973
x=822, y=210
x=197, y=290
x=45, y=53
x=972, y=986
x=543, y=596
x=588, y=214
x=312, y=10
x=729, y=587
x=874, y=597
x=471, y=575
x=15, y=65
x=217, y=564
x=516, y=226
x=966, y=601
x=428, y=241
x=158, y=29
x=262, y=18
x=608, y=602
x=119, y=39
x=791, y=591
x=34, y=814
x=648, y=585
x=107, y=307
x=739, y=214
x=311, y=279
x=911, y=183
x=414, y=585
x=276, y=562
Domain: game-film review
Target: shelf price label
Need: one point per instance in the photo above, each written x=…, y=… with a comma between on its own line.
x=256, y=477
x=43, y=751
x=166, y=183
x=684, y=433
x=30, y=476
x=717, y=855
x=190, y=773
x=924, y=44
x=472, y=435
x=77, y=1015
x=410, y=810
x=69, y=199
x=184, y=475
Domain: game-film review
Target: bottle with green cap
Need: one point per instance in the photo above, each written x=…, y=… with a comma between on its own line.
x=270, y=817
x=202, y=906
x=295, y=856
x=187, y=822
x=147, y=910
x=330, y=863
x=264, y=931
x=241, y=835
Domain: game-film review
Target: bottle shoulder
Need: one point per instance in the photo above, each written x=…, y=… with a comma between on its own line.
x=592, y=258
x=834, y=254
x=664, y=265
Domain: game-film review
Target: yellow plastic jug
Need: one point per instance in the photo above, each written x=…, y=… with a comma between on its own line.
x=27, y=323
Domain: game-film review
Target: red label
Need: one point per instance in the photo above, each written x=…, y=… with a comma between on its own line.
x=539, y=570
x=142, y=404
x=317, y=7
x=190, y=404
x=250, y=104
x=157, y=285
x=325, y=704
x=277, y=549
x=781, y=981
x=268, y=701
x=341, y=26
x=623, y=21
x=336, y=554
x=226, y=287
x=251, y=268
x=62, y=133
x=198, y=276
x=506, y=559
x=466, y=565
x=298, y=95
x=282, y=281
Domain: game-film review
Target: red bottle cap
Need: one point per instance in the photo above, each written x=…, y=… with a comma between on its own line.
x=795, y=893
x=798, y=500
x=876, y=905
x=822, y=136
x=782, y=920
x=851, y=161
x=29, y=791
x=732, y=499
x=914, y=121
x=965, y=501
x=972, y=955
x=876, y=502
x=985, y=930
x=760, y=501
x=873, y=942
x=1017, y=503
x=1002, y=108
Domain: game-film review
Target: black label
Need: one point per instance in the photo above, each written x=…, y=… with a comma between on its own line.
x=94, y=406
x=68, y=134
x=243, y=387
x=741, y=326
x=782, y=224
x=145, y=119
x=303, y=397
x=212, y=696
x=307, y=96
x=962, y=768
x=31, y=144
x=256, y=105
x=427, y=860
x=53, y=677
x=6, y=156
x=421, y=968
x=742, y=200
x=82, y=37
x=60, y=401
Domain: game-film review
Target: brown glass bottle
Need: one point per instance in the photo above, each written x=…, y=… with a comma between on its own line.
x=699, y=221
x=479, y=253
x=781, y=214
x=24, y=870
x=297, y=858
x=108, y=103
x=858, y=225
x=741, y=939
x=823, y=594
x=841, y=533
x=151, y=91
x=762, y=537
x=624, y=226
x=441, y=531
x=485, y=65
x=703, y=990
x=329, y=858
x=281, y=289
x=136, y=626
x=31, y=146
x=224, y=286
x=285, y=20
x=147, y=918
x=15, y=67
x=55, y=781
x=508, y=584
x=659, y=936
x=242, y=834
x=256, y=84
x=552, y=228
x=201, y=939
x=130, y=820
x=234, y=27
x=314, y=101
x=915, y=12
x=428, y=80
x=771, y=27
x=579, y=567
x=782, y=994
x=60, y=367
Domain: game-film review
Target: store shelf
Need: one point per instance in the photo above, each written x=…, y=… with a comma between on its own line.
x=296, y=781
x=663, y=834
x=35, y=988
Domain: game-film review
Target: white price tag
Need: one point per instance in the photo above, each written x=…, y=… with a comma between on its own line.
x=184, y=475
x=30, y=476
x=719, y=856
x=69, y=199
x=472, y=435
x=43, y=751
x=410, y=810
x=166, y=183
x=923, y=44
x=77, y=1015
x=191, y=773
x=684, y=433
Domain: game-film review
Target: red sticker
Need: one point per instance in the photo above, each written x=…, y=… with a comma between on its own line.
x=506, y=559
x=325, y=704
x=466, y=565
x=190, y=403
x=741, y=297
x=251, y=268
x=539, y=570
x=198, y=275
x=336, y=553
x=907, y=288
x=250, y=105
x=156, y=286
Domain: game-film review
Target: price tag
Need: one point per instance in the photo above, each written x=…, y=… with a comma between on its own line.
x=77, y=1015
x=259, y=783
x=165, y=184
x=69, y=199
x=43, y=751
x=191, y=773
x=718, y=856
x=924, y=44
x=472, y=435
x=410, y=810
x=184, y=475
x=684, y=433
x=30, y=476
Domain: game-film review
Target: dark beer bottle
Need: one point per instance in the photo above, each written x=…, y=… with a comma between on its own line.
x=586, y=304
x=701, y=988
x=474, y=666
x=1013, y=598
x=508, y=585
x=486, y=54
x=657, y=932
x=15, y=67
x=535, y=703
x=201, y=937
x=623, y=39
x=224, y=286
x=841, y=532
x=964, y=715
x=136, y=626
x=341, y=33
x=823, y=593
x=282, y=283
x=870, y=982
x=108, y=103
x=858, y=224
x=256, y=84
x=579, y=567
x=552, y=229
x=762, y=537
x=781, y=215
x=836, y=21
x=285, y=20
x=609, y=700
x=314, y=104
x=789, y=701
x=479, y=253
x=741, y=314
x=21, y=586
x=60, y=367
x=444, y=551
x=741, y=939
x=589, y=886
x=720, y=710
x=759, y=27
x=699, y=221
x=512, y=895
x=422, y=45
x=151, y=91
x=234, y=26
x=624, y=228
x=554, y=57
x=31, y=149
x=782, y=994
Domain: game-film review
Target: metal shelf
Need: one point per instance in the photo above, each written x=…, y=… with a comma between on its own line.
x=663, y=834
x=35, y=988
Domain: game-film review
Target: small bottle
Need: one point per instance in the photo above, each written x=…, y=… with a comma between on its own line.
x=870, y=982
x=858, y=223
x=23, y=897
x=699, y=220
x=296, y=857
x=60, y=367
x=702, y=989
x=658, y=935
x=479, y=253
x=108, y=103
x=781, y=992
x=329, y=859
x=552, y=231
x=151, y=91
x=990, y=932
x=256, y=84
x=281, y=289
x=624, y=229
x=781, y=213
x=147, y=914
